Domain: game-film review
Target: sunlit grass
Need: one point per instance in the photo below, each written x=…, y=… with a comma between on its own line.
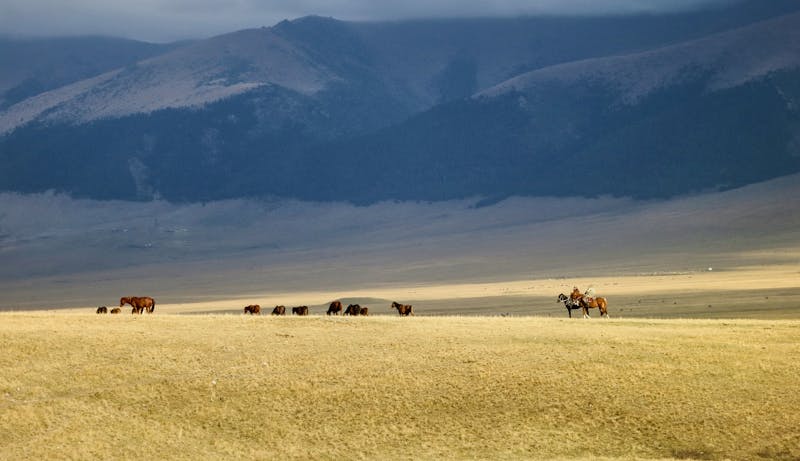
x=78, y=386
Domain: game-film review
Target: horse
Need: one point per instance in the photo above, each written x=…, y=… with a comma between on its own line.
x=353, y=309
x=253, y=309
x=334, y=308
x=594, y=303
x=139, y=303
x=587, y=302
x=116, y=310
x=102, y=310
x=403, y=309
x=300, y=310
x=364, y=311
x=568, y=303
x=279, y=310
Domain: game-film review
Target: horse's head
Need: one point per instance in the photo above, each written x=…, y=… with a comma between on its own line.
x=123, y=301
x=561, y=298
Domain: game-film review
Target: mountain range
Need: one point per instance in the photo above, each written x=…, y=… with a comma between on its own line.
x=321, y=109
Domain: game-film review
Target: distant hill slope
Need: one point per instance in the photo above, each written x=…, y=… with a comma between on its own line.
x=328, y=110
x=716, y=112
x=32, y=66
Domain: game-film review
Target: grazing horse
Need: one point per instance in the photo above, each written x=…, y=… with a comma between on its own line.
x=140, y=304
x=568, y=303
x=253, y=309
x=279, y=310
x=353, y=309
x=300, y=310
x=102, y=310
x=334, y=308
x=116, y=310
x=364, y=311
x=403, y=309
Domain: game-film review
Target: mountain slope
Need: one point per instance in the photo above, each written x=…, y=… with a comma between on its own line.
x=327, y=110
x=32, y=66
x=712, y=113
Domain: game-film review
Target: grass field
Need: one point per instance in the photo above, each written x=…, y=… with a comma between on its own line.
x=83, y=386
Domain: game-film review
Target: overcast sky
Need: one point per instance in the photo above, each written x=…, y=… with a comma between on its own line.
x=166, y=20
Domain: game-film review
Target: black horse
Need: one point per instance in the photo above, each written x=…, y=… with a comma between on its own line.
x=568, y=303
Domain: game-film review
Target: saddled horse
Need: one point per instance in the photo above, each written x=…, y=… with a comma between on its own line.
x=569, y=303
x=139, y=304
x=588, y=302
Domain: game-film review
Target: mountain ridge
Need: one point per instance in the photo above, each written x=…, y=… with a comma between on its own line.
x=394, y=113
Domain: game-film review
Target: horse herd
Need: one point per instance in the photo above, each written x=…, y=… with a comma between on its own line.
x=147, y=304
x=576, y=300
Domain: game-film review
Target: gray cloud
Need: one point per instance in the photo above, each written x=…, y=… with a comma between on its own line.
x=165, y=20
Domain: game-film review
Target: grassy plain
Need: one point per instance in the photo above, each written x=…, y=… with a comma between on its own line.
x=83, y=386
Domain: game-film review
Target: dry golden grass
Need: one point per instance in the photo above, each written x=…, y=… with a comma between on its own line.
x=77, y=386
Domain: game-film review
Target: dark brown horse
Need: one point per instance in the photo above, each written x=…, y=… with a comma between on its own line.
x=364, y=311
x=141, y=304
x=102, y=310
x=352, y=309
x=253, y=309
x=403, y=309
x=300, y=310
x=279, y=310
x=335, y=308
x=116, y=310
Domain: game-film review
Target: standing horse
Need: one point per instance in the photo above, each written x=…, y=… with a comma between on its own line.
x=403, y=309
x=140, y=304
x=595, y=303
x=568, y=303
x=587, y=302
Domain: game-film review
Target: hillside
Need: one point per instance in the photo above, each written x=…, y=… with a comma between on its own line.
x=32, y=66
x=446, y=257
x=326, y=110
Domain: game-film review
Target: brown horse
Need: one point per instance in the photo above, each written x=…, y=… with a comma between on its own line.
x=587, y=303
x=352, y=309
x=335, y=308
x=253, y=309
x=364, y=311
x=140, y=304
x=403, y=309
x=102, y=310
x=279, y=310
x=116, y=310
x=300, y=310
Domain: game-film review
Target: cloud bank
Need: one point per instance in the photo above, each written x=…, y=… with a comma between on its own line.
x=167, y=20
